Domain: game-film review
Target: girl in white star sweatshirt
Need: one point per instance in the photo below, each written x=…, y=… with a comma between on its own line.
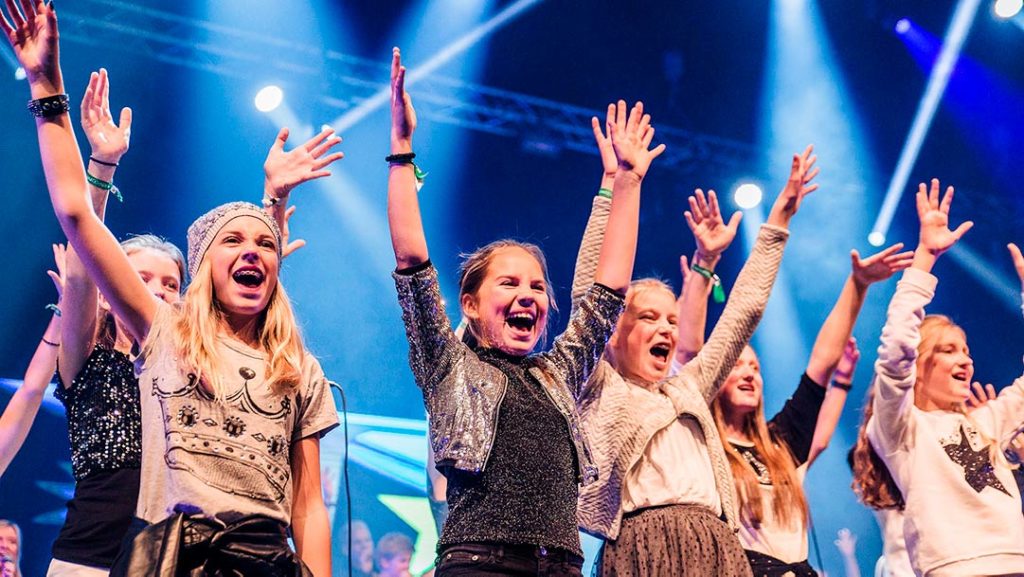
x=962, y=513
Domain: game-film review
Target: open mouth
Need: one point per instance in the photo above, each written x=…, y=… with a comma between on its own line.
x=249, y=277
x=522, y=321
x=960, y=376
x=746, y=387
x=660, y=352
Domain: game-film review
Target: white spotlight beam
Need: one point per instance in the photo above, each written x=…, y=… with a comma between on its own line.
x=424, y=69
x=959, y=28
x=233, y=53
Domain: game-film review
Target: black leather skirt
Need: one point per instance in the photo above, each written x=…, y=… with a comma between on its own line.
x=183, y=546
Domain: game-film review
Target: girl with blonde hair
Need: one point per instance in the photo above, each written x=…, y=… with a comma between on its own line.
x=946, y=463
x=232, y=405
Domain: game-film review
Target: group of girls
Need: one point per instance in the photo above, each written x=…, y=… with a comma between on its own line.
x=195, y=416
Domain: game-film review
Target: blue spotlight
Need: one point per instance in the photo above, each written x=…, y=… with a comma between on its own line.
x=747, y=195
x=423, y=69
x=959, y=28
x=876, y=238
x=1007, y=8
x=902, y=26
x=268, y=98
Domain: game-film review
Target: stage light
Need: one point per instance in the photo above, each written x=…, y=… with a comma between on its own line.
x=747, y=195
x=19, y=73
x=1007, y=8
x=876, y=238
x=902, y=26
x=956, y=35
x=268, y=98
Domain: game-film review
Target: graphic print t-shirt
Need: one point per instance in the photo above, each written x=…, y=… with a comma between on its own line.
x=222, y=459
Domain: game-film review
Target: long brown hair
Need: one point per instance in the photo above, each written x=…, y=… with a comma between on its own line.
x=872, y=481
x=789, y=504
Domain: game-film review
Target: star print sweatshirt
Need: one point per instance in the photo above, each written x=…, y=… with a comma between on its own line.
x=962, y=512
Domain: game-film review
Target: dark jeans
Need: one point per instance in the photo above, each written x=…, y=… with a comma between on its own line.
x=491, y=559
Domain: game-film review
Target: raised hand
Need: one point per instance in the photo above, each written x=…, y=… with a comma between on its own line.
x=1018, y=262
x=108, y=141
x=846, y=542
x=880, y=266
x=847, y=363
x=709, y=230
x=60, y=275
x=403, y=115
x=290, y=246
x=286, y=170
x=978, y=395
x=801, y=173
x=936, y=237
x=32, y=32
x=631, y=136
x=609, y=162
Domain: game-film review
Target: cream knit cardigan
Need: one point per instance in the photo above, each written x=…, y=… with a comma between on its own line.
x=621, y=418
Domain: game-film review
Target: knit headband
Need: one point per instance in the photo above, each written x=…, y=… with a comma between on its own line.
x=206, y=227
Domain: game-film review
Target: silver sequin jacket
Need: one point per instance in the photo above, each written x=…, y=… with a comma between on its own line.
x=463, y=394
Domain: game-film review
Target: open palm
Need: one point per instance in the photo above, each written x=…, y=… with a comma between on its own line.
x=33, y=36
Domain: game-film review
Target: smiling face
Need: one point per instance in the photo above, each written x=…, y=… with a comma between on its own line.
x=244, y=264
x=741, y=392
x=509, y=309
x=645, y=337
x=945, y=367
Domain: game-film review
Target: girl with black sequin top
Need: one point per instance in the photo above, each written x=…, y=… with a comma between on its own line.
x=503, y=424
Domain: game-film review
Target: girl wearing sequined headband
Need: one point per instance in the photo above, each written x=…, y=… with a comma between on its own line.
x=945, y=463
x=232, y=404
x=664, y=482
x=503, y=425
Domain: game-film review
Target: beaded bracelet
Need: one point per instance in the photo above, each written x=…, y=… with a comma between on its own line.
x=49, y=107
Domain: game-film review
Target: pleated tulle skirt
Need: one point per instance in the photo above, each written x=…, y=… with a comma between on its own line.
x=675, y=540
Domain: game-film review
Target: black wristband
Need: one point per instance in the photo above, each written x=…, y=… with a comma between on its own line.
x=103, y=162
x=844, y=386
x=403, y=158
x=49, y=107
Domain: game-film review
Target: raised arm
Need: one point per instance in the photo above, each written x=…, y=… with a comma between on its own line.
x=838, y=326
x=34, y=38
x=835, y=400
x=895, y=370
x=712, y=236
x=407, y=237
x=631, y=139
x=20, y=413
x=712, y=364
x=108, y=142
x=283, y=171
x=593, y=235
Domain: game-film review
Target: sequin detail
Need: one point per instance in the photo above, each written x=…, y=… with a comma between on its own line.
x=527, y=494
x=104, y=418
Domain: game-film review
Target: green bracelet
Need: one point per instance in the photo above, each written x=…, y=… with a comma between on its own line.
x=107, y=186
x=604, y=192
x=718, y=292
